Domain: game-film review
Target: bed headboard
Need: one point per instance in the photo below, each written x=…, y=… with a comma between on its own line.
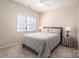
x=58, y=30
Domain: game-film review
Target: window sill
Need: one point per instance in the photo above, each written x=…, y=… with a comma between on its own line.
x=27, y=32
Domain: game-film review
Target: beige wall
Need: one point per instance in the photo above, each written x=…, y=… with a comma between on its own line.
x=8, y=20
x=78, y=25
x=61, y=17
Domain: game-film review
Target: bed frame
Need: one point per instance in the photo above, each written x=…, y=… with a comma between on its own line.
x=61, y=36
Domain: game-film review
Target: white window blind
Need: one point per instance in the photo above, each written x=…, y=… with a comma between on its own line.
x=26, y=23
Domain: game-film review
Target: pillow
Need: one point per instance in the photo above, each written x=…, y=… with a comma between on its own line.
x=57, y=31
x=44, y=30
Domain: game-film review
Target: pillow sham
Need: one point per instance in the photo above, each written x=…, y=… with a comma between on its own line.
x=44, y=30
x=57, y=31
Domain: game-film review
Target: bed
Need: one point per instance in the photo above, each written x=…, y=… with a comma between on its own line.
x=43, y=42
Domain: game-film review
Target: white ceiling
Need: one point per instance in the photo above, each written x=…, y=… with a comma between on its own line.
x=53, y=4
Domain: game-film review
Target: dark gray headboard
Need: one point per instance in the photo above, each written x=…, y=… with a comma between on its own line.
x=47, y=29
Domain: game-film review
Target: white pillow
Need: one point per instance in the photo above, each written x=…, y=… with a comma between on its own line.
x=57, y=31
x=44, y=30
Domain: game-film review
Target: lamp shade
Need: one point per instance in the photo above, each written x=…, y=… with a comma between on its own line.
x=40, y=28
x=67, y=28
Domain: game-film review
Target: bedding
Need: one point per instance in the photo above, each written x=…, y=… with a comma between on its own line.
x=41, y=42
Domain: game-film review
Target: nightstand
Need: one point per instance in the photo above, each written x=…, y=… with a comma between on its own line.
x=67, y=41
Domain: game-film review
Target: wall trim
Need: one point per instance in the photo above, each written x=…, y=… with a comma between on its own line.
x=9, y=45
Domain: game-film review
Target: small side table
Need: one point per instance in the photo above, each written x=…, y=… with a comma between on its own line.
x=67, y=41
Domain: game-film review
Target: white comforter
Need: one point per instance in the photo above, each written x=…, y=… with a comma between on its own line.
x=41, y=42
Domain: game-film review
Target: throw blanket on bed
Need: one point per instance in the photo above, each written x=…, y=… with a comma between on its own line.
x=42, y=43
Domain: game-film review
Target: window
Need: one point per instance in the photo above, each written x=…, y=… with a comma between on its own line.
x=26, y=23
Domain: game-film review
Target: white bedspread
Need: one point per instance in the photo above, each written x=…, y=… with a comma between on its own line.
x=41, y=42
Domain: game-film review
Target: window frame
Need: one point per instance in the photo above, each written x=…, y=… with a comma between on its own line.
x=22, y=21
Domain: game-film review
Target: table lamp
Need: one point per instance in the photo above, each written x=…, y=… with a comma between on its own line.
x=67, y=29
x=40, y=28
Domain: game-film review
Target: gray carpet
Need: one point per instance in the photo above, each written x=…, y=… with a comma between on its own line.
x=17, y=51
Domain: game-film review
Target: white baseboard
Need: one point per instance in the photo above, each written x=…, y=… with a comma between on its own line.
x=9, y=45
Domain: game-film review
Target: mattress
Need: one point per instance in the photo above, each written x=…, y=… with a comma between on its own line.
x=41, y=42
